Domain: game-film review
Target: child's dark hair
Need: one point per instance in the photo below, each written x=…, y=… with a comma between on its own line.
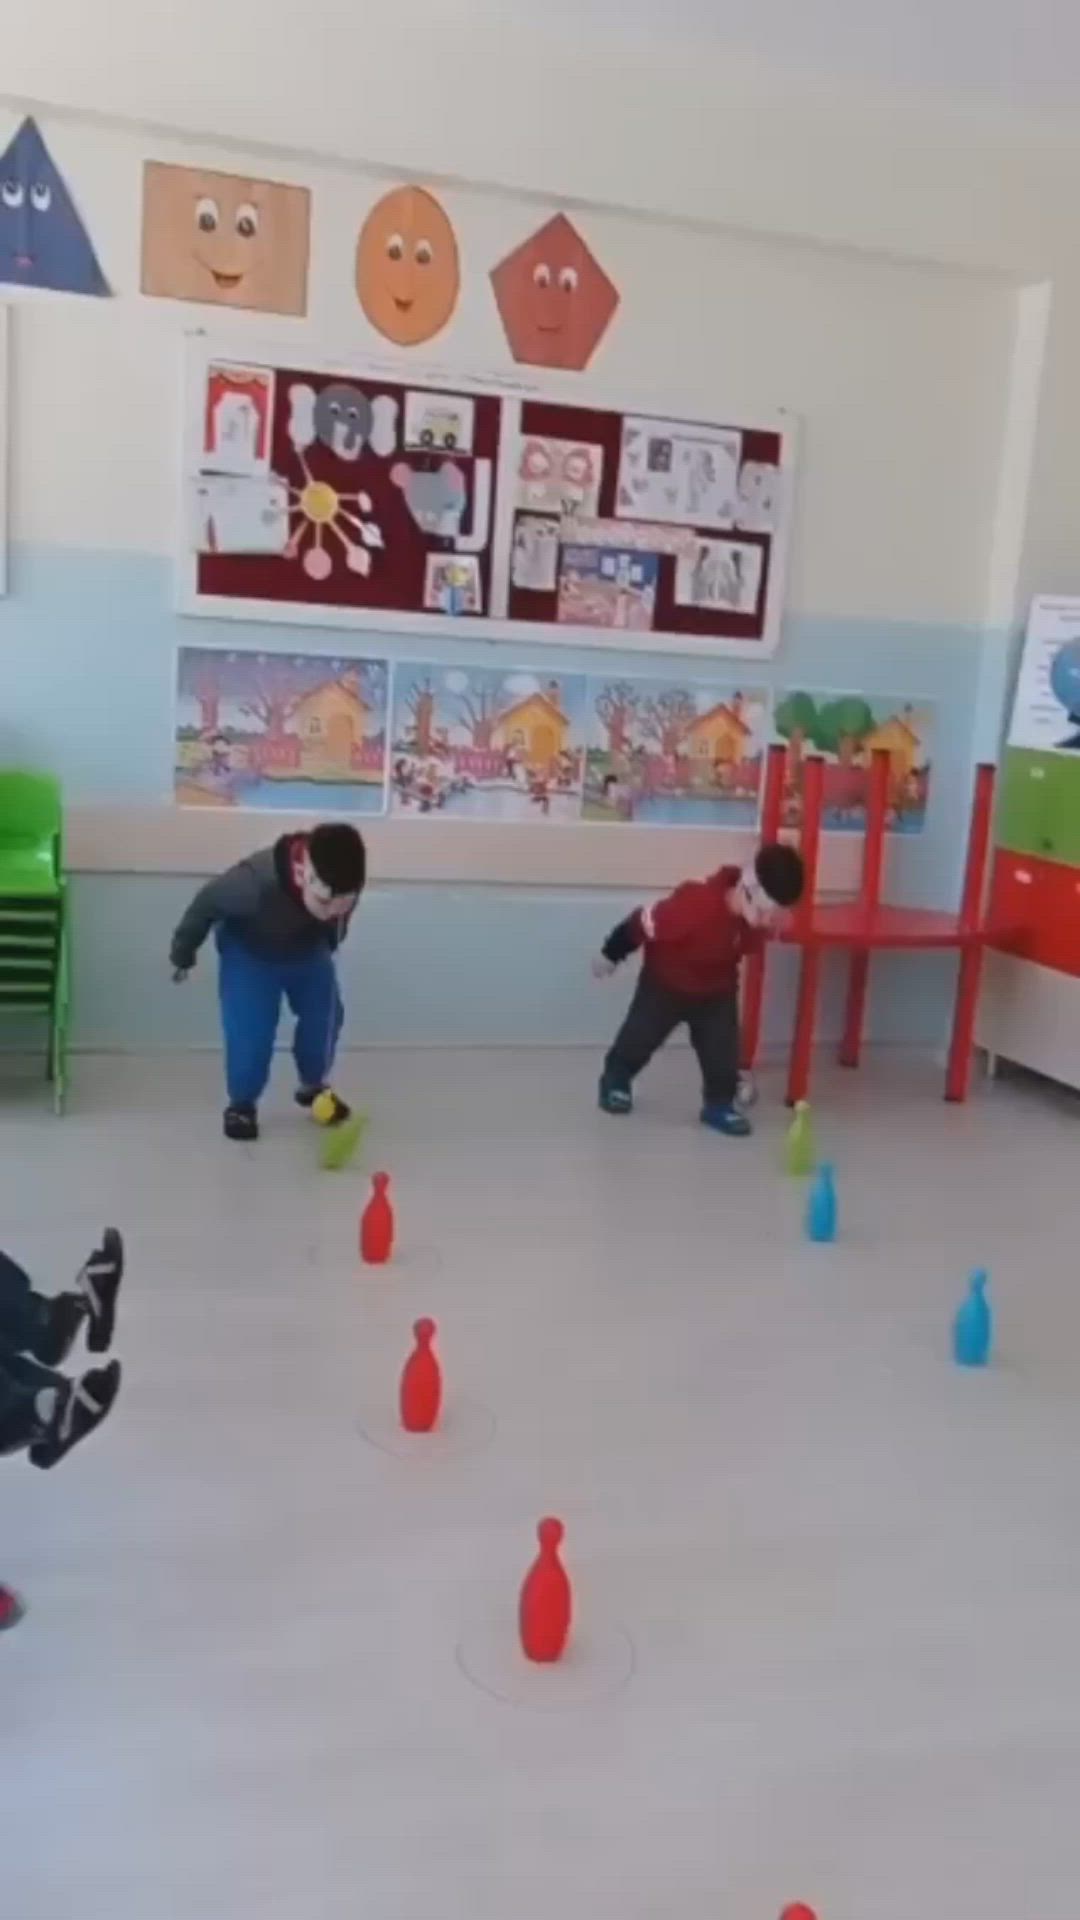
x=338, y=856
x=780, y=871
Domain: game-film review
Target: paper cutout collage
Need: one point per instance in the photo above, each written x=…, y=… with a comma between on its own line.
x=365, y=492
x=344, y=492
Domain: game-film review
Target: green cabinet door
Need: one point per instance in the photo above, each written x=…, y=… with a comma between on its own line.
x=1040, y=804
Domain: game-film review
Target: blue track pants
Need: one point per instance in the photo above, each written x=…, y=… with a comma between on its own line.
x=250, y=990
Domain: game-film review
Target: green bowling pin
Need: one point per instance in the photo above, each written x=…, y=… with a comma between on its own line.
x=800, y=1156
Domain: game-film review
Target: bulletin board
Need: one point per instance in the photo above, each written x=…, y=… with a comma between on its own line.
x=347, y=495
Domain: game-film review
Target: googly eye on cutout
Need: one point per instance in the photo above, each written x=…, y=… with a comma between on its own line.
x=41, y=196
x=541, y=274
x=247, y=220
x=568, y=279
x=395, y=247
x=424, y=253
x=12, y=193
x=207, y=215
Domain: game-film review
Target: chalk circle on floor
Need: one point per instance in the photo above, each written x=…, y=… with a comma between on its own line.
x=599, y=1663
x=465, y=1426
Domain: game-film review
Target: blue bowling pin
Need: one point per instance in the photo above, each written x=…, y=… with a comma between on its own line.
x=821, y=1205
x=973, y=1327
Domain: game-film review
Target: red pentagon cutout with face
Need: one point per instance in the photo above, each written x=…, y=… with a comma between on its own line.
x=555, y=300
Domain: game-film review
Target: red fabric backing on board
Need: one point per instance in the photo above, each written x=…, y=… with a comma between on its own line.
x=604, y=429
x=396, y=580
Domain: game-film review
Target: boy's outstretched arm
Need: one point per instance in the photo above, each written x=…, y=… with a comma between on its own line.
x=231, y=896
x=673, y=918
x=622, y=941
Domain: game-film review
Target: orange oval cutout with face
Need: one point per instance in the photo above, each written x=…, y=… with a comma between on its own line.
x=408, y=274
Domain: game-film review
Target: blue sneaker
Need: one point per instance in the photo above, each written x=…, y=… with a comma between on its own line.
x=615, y=1099
x=727, y=1120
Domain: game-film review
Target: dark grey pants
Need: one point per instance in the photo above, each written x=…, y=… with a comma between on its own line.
x=654, y=1014
x=24, y=1320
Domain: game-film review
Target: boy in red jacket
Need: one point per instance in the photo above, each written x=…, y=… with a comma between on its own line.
x=693, y=941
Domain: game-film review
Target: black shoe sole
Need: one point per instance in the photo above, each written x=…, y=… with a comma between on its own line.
x=102, y=1325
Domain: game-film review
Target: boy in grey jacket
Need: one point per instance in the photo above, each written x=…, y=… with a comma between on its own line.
x=278, y=918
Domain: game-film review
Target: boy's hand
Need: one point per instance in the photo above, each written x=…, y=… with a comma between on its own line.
x=602, y=967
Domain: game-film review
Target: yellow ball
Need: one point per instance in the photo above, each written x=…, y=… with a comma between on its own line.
x=323, y=1108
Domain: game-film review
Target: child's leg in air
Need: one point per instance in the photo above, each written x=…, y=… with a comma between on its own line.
x=714, y=1036
x=249, y=991
x=311, y=988
x=47, y=1328
x=653, y=1015
x=48, y=1414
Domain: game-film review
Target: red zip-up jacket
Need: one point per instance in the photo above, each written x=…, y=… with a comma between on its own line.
x=693, y=942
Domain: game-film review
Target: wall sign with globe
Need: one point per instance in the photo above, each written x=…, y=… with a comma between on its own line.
x=1046, y=711
x=1065, y=686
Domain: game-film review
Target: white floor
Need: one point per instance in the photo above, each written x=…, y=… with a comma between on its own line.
x=850, y=1573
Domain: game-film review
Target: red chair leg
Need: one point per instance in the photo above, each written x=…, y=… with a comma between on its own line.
x=803, y=1039
x=855, y=1013
x=958, y=1072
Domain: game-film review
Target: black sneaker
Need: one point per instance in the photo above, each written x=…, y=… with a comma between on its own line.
x=98, y=1282
x=613, y=1098
x=81, y=1407
x=307, y=1096
x=241, y=1123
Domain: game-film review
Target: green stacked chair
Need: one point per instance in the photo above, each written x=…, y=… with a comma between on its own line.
x=34, y=957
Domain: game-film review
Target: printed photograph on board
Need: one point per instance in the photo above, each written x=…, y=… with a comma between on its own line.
x=485, y=743
x=280, y=730
x=606, y=587
x=673, y=752
x=847, y=728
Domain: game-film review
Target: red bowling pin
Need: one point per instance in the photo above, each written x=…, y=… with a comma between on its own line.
x=421, y=1383
x=546, y=1602
x=377, y=1223
x=798, y=1912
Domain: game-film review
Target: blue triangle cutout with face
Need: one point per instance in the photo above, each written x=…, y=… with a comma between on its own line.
x=43, y=242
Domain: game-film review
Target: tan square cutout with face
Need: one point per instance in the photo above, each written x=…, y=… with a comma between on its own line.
x=224, y=239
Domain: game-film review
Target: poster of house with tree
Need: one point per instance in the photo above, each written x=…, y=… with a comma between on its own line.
x=280, y=730
x=847, y=729
x=663, y=752
x=486, y=743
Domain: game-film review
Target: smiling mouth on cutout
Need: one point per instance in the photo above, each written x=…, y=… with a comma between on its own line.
x=403, y=306
x=226, y=282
